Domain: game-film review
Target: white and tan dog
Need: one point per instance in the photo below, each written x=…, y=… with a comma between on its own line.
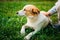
x=35, y=20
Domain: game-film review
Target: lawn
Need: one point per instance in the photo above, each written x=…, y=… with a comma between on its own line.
x=11, y=23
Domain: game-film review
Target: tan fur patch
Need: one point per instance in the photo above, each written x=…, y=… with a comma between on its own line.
x=31, y=10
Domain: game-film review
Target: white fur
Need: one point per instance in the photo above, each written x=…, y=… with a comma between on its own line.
x=41, y=22
x=36, y=23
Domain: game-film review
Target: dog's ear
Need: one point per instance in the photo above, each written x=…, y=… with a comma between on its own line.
x=35, y=11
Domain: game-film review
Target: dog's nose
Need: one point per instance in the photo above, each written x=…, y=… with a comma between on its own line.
x=17, y=13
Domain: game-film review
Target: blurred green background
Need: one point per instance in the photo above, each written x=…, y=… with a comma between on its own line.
x=11, y=23
x=28, y=0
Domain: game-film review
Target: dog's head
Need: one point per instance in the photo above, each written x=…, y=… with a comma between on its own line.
x=29, y=10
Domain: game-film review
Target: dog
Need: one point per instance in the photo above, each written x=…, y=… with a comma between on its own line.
x=35, y=20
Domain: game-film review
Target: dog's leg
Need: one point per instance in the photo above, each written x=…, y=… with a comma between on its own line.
x=23, y=30
x=30, y=35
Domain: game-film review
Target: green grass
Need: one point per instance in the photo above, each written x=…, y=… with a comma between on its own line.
x=10, y=23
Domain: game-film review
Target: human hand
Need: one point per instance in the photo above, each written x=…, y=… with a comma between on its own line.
x=45, y=13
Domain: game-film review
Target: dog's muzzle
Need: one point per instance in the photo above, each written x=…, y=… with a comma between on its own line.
x=21, y=13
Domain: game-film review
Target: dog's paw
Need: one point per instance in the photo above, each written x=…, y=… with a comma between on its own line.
x=22, y=33
x=26, y=38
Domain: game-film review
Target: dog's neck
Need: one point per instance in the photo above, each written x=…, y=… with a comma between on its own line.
x=34, y=19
